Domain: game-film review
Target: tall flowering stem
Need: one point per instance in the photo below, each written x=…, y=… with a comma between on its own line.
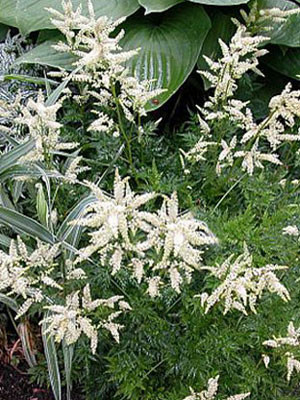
x=120, y=99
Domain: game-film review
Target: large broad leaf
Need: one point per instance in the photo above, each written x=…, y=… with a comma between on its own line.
x=158, y=5
x=220, y=2
x=44, y=54
x=30, y=15
x=222, y=28
x=3, y=31
x=287, y=63
x=171, y=43
x=284, y=33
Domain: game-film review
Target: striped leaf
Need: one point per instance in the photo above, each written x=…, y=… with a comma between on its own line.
x=25, y=225
x=52, y=361
x=11, y=303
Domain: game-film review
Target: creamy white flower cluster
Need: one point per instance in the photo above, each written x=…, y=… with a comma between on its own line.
x=25, y=274
x=211, y=392
x=11, y=91
x=100, y=64
x=68, y=322
x=9, y=110
x=239, y=57
x=267, y=20
x=290, y=342
x=242, y=283
x=164, y=241
x=33, y=277
x=291, y=230
x=41, y=122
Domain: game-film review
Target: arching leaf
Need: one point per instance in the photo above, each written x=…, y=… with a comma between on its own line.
x=158, y=5
x=220, y=2
x=44, y=54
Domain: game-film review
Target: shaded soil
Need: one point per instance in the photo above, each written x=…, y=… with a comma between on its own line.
x=16, y=386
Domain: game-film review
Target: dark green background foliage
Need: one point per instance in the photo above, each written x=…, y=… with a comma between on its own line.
x=173, y=35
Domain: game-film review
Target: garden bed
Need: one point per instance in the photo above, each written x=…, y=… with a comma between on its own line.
x=15, y=385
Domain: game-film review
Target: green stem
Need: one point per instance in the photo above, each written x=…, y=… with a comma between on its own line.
x=228, y=192
x=122, y=129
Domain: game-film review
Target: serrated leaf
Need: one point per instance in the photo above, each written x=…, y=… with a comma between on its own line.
x=52, y=361
x=171, y=43
x=158, y=5
x=30, y=15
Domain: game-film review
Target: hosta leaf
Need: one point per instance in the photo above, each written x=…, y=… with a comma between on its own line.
x=171, y=43
x=222, y=28
x=30, y=15
x=44, y=54
x=283, y=33
x=3, y=31
x=287, y=64
x=52, y=361
x=158, y=5
x=220, y=2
